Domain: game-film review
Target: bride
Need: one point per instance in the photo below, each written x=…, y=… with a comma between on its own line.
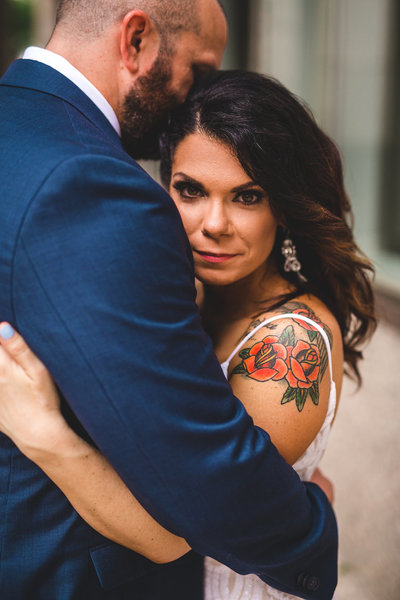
x=283, y=291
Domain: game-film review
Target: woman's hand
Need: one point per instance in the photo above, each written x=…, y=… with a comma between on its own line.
x=29, y=403
x=30, y=416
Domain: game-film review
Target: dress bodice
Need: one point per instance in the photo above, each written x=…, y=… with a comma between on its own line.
x=221, y=583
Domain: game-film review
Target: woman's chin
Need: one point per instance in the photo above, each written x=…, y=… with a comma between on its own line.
x=216, y=279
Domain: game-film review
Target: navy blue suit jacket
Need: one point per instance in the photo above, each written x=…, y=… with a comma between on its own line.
x=97, y=274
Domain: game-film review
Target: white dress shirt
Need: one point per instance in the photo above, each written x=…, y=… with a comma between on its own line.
x=64, y=67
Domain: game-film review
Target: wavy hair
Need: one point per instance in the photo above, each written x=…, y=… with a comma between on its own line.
x=281, y=147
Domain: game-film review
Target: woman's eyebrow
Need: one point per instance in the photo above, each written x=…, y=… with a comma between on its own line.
x=240, y=188
x=245, y=186
x=188, y=179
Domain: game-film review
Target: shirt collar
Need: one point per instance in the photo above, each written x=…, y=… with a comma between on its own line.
x=60, y=64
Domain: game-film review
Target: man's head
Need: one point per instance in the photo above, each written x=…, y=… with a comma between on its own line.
x=143, y=55
x=93, y=17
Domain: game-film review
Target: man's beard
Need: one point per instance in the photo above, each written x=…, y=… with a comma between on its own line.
x=145, y=110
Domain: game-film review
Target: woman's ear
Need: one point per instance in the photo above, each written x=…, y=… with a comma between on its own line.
x=280, y=218
x=139, y=41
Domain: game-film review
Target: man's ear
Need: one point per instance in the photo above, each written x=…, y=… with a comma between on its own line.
x=139, y=41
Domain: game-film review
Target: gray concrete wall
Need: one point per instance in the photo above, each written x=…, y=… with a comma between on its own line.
x=363, y=459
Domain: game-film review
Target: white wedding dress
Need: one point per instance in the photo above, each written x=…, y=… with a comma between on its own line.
x=221, y=583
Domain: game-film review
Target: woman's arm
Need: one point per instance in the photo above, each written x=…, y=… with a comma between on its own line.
x=30, y=416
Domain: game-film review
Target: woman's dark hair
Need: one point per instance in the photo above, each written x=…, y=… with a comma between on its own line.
x=280, y=146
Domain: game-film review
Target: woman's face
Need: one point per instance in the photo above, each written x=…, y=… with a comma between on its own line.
x=227, y=217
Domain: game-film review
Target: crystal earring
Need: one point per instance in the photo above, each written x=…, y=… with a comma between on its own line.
x=292, y=263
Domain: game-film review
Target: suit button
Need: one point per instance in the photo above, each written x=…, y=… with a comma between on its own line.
x=309, y=583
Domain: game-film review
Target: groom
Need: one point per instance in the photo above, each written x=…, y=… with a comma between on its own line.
x=96, y=273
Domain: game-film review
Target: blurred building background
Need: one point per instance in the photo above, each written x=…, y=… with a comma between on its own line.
x=343, y=58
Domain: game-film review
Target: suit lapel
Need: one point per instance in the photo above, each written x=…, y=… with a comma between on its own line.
x=30, y=74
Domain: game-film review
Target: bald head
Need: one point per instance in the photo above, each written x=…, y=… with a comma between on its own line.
x=90, y=18
x=141, y=55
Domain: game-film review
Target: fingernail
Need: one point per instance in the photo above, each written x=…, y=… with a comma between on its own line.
x=6, y=332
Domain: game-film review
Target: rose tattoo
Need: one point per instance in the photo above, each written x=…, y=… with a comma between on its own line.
x=283, y=358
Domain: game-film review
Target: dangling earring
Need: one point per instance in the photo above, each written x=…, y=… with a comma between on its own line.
x=292, y=263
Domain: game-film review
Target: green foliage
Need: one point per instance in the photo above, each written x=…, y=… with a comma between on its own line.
x=16, y=21
x=21, y=20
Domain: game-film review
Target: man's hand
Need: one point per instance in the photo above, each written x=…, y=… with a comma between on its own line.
x=325, y=484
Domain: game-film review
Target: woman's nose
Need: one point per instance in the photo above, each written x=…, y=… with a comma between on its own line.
x=216, y=220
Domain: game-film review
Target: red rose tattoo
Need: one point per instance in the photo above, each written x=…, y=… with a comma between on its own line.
x=284, y=358
x=266, y=360
x=311, y=330
x=303, y=365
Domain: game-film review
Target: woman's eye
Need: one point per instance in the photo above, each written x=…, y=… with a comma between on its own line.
x=249, y=198
x=187, y=190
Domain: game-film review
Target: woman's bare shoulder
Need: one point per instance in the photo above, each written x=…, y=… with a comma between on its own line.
x=309, y=307
x=281, y=372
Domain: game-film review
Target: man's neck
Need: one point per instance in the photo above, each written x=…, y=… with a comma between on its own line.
x=94, y=63
x=62, y=65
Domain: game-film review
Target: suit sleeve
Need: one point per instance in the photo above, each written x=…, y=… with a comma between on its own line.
x=103, y=292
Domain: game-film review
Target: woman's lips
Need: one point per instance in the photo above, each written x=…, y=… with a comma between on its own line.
x=215, y=258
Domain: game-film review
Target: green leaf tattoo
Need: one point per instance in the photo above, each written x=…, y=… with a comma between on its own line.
x=312, y=335
x=287, y=338
x=301, y=396
x=289, y=395
x=239, y=370
x=314, y=393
